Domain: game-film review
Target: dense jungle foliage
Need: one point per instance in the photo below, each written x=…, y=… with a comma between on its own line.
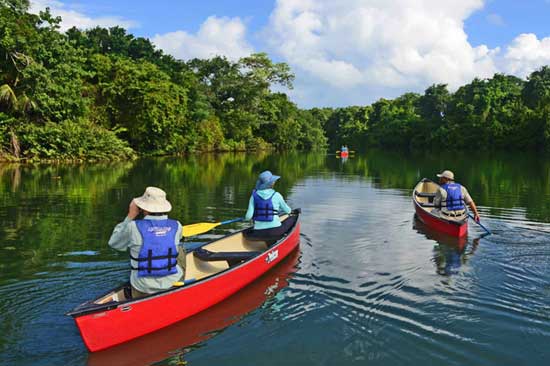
x=103, y=94
x=503, y=112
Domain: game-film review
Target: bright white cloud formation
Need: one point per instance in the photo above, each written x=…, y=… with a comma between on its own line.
x=351, y=51
x=72, y=18
x=216, y=36
x=379, y=44
x=526, y=54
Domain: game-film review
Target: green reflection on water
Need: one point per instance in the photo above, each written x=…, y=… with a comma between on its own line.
x=52, y=210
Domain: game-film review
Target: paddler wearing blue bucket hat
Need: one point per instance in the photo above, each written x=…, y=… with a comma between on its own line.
x=265, y=206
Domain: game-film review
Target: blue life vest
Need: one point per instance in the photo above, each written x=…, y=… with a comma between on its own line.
x=455, y=200
x=263, y=208
x=158, y=254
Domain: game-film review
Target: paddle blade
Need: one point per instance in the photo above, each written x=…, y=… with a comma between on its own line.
x=198, y=228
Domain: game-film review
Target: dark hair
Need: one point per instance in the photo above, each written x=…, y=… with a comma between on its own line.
x=157, y=213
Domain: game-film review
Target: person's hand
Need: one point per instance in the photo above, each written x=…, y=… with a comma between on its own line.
x=476, y=217
x=133, y=210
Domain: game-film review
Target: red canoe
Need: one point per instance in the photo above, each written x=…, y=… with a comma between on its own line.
x=213, y=272
x=160, y=345
x=423, y=196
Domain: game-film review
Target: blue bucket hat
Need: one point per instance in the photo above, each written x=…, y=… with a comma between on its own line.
x=266, y=180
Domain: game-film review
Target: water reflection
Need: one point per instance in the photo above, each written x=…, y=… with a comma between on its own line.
x=171, y=344
x=368, y=285
x=450, y=253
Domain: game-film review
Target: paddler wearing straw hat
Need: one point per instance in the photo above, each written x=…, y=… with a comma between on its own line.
x=450, y=198
x=156, y=259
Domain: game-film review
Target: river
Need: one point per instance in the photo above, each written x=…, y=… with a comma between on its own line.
x=369, y=285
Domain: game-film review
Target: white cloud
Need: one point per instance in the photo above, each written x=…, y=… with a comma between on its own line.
x=495, y=19
x=526, y=53
x=372, y=45
x=216, y=36
x=72, y=18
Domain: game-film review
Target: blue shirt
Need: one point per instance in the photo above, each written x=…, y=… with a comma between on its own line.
x=279, y=204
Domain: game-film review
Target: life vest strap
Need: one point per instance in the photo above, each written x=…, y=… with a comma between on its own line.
x=170, y=256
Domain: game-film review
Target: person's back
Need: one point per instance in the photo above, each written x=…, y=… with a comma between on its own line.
x=264, y=207
x=156, y=259
x=451, y=198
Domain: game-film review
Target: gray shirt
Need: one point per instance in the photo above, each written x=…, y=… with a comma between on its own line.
x=441, y=196
x=127, y=236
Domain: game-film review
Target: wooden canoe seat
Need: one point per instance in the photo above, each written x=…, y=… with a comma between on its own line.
x=197, y=268
x=232, y=258
x=424, y=194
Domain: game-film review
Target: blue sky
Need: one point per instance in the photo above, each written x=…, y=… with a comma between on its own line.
x=342, y=52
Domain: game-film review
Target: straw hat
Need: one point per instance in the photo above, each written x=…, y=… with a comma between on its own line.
x=447, y=174
x=266, y=180
x=153, y=200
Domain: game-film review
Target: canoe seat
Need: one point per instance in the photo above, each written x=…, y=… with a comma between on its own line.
x=424, y=194
x=269, y=240
x=426, y=204
x=232, y=258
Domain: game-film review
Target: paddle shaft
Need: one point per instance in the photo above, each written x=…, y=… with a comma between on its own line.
x=238, y=219
x=202, y=227
x=479, y=223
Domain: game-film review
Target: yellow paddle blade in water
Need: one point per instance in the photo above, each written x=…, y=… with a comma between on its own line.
x=199, y=228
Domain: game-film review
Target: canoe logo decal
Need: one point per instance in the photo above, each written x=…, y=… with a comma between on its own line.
x=271, y=256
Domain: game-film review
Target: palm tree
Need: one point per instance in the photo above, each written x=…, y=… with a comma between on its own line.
x=21, y=106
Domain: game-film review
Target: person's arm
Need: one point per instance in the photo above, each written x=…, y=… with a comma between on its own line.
x=179, y=234
x=283, y=207
x=121, y=238
x=437, y=198
x=250, y=210
x=470, y=202
x=474, y=210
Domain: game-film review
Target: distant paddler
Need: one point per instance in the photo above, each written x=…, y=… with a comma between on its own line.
x=450, y=198
x=344, y=151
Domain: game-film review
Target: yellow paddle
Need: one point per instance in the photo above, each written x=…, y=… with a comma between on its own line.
x=202, y=227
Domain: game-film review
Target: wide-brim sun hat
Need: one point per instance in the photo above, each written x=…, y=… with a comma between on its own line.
x=266, y=180
x=154, y=201
x=447, y=174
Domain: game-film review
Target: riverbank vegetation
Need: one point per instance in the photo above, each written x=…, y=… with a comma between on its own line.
x=103, y=94
x=503, y=112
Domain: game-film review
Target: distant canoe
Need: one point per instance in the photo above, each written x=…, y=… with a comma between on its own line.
x=423, y=196
x=214, y=272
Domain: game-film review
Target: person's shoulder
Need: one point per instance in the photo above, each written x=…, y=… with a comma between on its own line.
x=278, y=195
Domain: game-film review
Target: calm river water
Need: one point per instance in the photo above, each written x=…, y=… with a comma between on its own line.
x=369, y=285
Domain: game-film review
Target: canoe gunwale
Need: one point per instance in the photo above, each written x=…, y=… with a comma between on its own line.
x=90, y=307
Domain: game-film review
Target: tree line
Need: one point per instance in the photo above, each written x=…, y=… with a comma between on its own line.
x=104, y=94
x=502, y=112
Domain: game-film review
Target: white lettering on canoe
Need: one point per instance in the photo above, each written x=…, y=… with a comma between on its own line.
x=271, y=256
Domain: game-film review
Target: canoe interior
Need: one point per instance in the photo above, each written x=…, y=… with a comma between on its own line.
x=424, y=193
x=196, y=269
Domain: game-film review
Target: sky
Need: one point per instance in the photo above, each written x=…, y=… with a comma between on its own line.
x=343, y=52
